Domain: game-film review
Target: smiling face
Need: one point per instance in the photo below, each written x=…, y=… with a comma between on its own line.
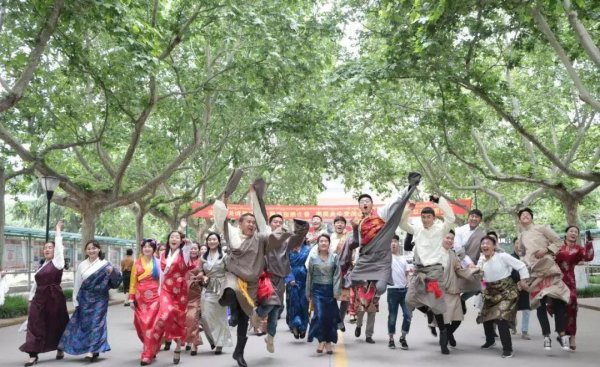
x=92, y=251
x=448, y=241
x=323, y=244
x=48, y=251
x=427, y=219
x=147, y=249
x=572, y=234
x=203, y=250
x=161, y=250
x=248, y=225
x=339, y=226
x=194, y=251
x=276, y=223
x=474, y=221
x=212, y=241
x=488, y=247
x=316, y=222
x=174, y=240
x=525, y=218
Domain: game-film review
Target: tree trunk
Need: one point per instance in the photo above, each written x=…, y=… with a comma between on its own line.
x=88, y=228
x=140, y=213
x=2, y=208
x=571, y=207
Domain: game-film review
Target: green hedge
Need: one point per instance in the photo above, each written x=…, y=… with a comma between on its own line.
x=14, y=306
x=68, y=294
x=595, y=279
x=593, y=290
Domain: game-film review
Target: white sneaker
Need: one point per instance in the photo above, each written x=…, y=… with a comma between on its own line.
x=547, y=343
x=565, y=343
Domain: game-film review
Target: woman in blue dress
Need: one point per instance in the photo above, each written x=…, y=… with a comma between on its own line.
x=86, y=331
x=323, y=285
x=296, y=301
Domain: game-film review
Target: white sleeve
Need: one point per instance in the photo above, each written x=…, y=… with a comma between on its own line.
x=405, y=224
x=516, y=264
x=219, y=215
x=261, y=222
x=185, y=251
x=449, y=217
x=59, y=253
x=76, y=284
x=32, y=291
x=384, y=211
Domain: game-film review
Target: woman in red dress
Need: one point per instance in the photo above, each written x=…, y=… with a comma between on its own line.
x=143, y=296
x=569, y=255
x=173, y=299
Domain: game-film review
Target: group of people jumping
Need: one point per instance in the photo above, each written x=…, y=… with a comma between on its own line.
x=244, y=273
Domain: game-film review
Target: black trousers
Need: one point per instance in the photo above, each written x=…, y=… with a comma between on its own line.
x=560, y=313
x=503, y=331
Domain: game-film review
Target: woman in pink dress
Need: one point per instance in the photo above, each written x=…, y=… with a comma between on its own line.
x=173, y=299
x=569, y=255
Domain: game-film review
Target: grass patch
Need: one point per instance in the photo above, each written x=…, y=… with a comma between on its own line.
x=593, y=290
x=14, y=306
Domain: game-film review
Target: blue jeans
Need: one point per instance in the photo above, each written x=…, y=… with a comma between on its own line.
x=396, y=297
x=272, y=313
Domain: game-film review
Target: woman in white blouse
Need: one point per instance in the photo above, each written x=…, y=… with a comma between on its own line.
x=500, y=294
x=86, y=332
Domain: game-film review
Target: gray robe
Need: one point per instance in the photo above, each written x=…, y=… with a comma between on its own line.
x=375, y=260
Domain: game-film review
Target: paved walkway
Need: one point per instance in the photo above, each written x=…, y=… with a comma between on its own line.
x=423, y=351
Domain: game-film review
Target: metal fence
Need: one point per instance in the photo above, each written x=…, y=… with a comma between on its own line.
x=23, y=252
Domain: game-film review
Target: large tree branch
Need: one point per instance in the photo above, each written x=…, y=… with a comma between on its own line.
x=178, y=38
x=543, y=26
x=16, y=93
x=582, y=35
x=588, y=176
x=585, y=189
x=136, y=135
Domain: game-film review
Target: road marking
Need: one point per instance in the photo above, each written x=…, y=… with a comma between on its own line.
x=340, y=358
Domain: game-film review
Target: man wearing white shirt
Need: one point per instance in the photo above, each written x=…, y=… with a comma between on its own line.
x=425, y=290
x=397, y=295
x=466, y=240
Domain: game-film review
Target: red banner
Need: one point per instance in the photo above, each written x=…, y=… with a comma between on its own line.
x=327, y=212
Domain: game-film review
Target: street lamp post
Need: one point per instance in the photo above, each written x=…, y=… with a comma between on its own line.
x=49, y=184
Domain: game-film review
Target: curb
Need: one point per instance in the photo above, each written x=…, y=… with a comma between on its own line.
x=589, y=307
x=21, y=319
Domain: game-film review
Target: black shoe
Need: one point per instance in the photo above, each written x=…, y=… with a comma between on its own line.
x=212, y=347
x=176, y=356
x=60, y=354
x=488, y=344
x=238, y=353
x=167, y=346
x=194, y=352
x=444, y=341
x=433, y=331
x=144, y=363
x=188, y=348
x=93, y=358
x=559, y=340
x=296, y=333
x=302, y=334
x=342, y=327
x=506, y=354
x=370, y=340
x=451, y=340
x=463, y=305
x=357, y=332
x=391, y=344
x=403, y=344
x=29, y=364
x=219, y=350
